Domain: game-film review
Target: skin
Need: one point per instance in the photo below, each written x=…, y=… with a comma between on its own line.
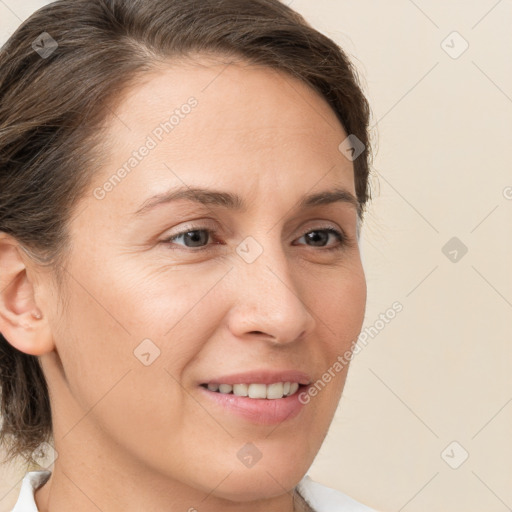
x=133, y=437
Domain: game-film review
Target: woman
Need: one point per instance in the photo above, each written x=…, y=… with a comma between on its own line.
x=181, y=187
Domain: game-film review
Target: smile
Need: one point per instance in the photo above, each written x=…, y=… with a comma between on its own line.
x=256, y=390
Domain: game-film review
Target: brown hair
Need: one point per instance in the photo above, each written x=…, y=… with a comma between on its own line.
x=55, y=95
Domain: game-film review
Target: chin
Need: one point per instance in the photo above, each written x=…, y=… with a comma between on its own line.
x=262, y=483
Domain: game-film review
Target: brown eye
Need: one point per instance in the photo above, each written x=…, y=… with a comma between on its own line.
x=320, y=238
x=191, y=238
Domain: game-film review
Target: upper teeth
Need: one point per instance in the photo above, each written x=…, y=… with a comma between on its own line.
x=276, y=390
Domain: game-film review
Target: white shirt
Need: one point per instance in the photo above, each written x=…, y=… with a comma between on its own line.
x=319, y=497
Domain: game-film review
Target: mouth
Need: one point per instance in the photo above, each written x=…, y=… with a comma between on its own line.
x=256, y=390
x=260, y=397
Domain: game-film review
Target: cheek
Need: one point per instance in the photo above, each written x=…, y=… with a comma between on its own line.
x=160, y=302
x=155, y=321
x=340, y=306
x=103, y=340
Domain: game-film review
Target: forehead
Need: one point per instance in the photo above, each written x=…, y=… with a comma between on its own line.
x=236, y=100
x=249, y=126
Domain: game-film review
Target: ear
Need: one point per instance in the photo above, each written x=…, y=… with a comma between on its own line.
x=22, y=322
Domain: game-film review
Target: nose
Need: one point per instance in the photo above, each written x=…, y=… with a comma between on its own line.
x=269, y=302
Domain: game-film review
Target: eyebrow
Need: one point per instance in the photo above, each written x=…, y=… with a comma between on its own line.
x=235, y=202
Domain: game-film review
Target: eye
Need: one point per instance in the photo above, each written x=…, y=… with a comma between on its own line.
x=196, y=237
x=320, y=237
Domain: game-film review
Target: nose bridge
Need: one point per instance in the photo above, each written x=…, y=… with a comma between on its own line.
x=268, y=299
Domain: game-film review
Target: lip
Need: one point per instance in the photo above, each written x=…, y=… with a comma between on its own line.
x=261, y=377
x=262, y=411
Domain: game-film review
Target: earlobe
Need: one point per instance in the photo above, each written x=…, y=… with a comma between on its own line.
x=22, y=322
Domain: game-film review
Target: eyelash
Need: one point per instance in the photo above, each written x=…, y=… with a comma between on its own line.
x=342, y=238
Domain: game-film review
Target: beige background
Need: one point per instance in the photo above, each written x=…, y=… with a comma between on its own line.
x=440, y=371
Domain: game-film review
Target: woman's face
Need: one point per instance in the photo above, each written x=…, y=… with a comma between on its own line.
x=259, y=284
